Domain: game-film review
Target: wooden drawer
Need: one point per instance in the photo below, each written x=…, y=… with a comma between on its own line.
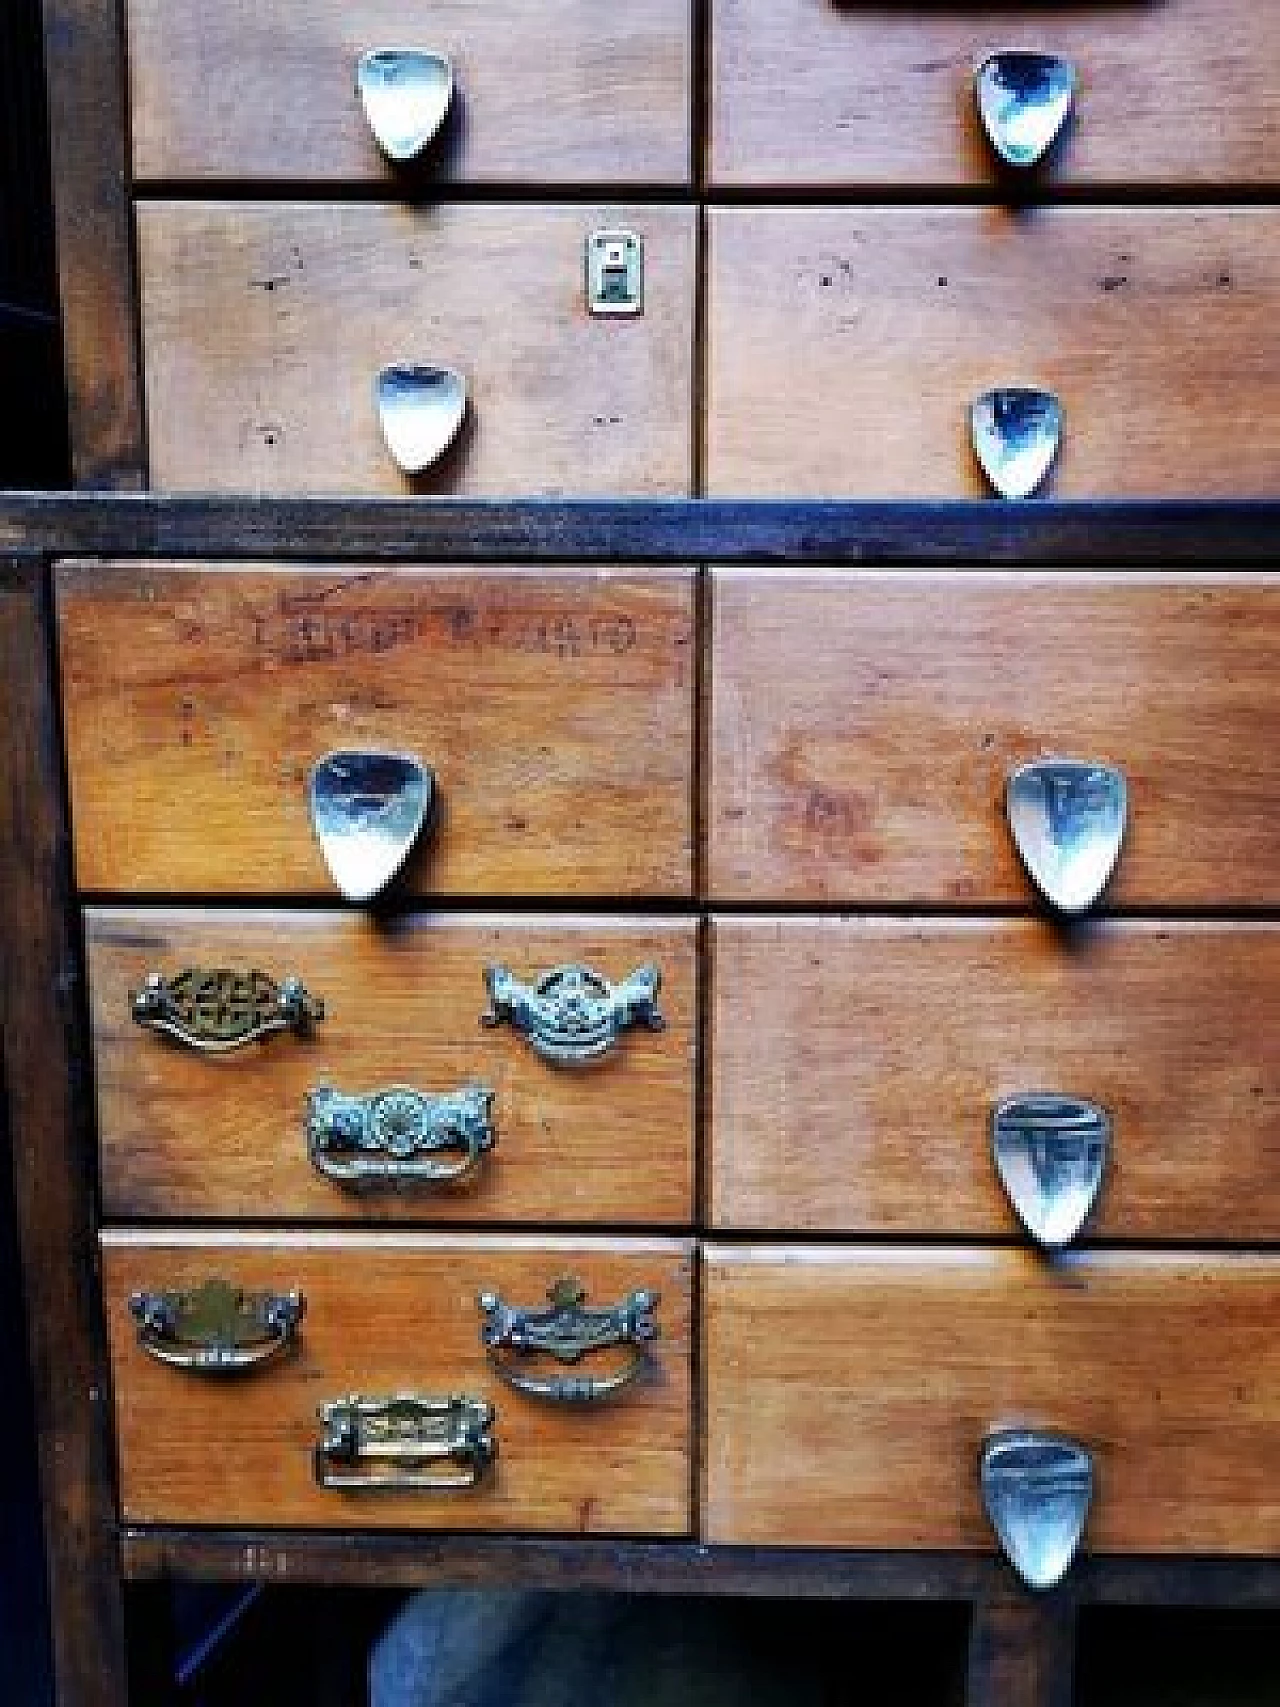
x=856, y=1064
x=389, y=1314
x=863, y=724
x=187, y=1134
x=554, y=707
x=266, y=324
x=846, y=346
x=849, y=1392
x=544, y=93
x=811, y=92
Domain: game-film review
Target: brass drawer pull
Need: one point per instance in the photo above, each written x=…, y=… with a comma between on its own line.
x=399, y=1136
x=1037, y=1488
x=1068, y=820
x=1051, y=1153
x=216, y=1329
x=1016, y=432
x=217, y=1010
x=1024, y=100
x=367, y=810
x=420, y=410
x=573, y=1015
x=405, y=1443
x=566, y=1332
x=406, y=95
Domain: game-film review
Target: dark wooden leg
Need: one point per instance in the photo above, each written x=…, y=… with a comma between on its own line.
x=54, y=1164
x=1022, y=1653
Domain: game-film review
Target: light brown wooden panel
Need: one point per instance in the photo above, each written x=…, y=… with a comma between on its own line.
x=391, y=1314
x=863, y=725
x=265, y=326
x=849, y=1392
x=846, y=345
x=555, y=708
x=856, y=1063
x=546, y=91
x=187, y=1134
x=832, y=92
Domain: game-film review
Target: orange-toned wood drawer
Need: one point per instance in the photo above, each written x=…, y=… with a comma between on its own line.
x=863, y=724
x=555, y=709
x=544, y=93
x=823, y=93
x=265, y=326
x=849, y=1392
x=189, y=1134
x=390, y=1314
x=856, y=1064
x=846, y=345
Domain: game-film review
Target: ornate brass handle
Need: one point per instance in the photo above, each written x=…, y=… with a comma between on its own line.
x=398, y=1136
x=566, y=1332
x=217, y=1010
x=405, y=1442
x=216, y=1329
x=573, y=1015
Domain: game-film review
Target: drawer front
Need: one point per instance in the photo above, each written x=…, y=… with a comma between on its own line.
x=856, y=1065
x=554, y=709
x=548, y=93
x=863, y=725
x=808, y=92
x=387, y=1316
x=846, y=346
x=849, y=1393
x=187, y=1133
x=265, y=327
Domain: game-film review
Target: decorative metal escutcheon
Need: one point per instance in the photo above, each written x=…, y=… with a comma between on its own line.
x=399, y=1136
x=420, y=410
x=407, y=1443
x=219, y=1010
x=1024, y=100
x=1051, y=1154
x=216, y=1328
x=615, y=274
x=367, y=811
x=566, y=1332
x=573, y=1015
x=1037, y=1488
x=406, y=95
x=1068, y=819
x=1016, y=432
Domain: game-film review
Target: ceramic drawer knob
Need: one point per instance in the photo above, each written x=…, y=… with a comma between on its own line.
x=215, y=1010
x=1016, y=431
x=367, y=810
x=406, y=95
x=1051, y=1154
x=1037, y=1488
x=400, y=1136
x=522, y=1342
x=1024, y=100
x=407, y=1443
x=216, y=1328
x=1068, y=819
x=420, y=409
x=573, y=1015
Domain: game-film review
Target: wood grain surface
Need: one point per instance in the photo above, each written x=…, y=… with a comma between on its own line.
x=388, y=1313
x=856, y=1064
x=265, y=326
x=849, y=1391
x=184, y=1134
x=546, y=91
x=555, y=709
x=830, y=92
x=846, y=344
x=863, y=725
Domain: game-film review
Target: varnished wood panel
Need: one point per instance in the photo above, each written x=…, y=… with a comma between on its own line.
x=856, y=1063
x=185, y=1134
x=846, y=345
x=823, y=93
x=554, y=707
x=265, y=326
x=547, y=91
x=391, y=1313
x=849, y=1391
x=863, y=725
